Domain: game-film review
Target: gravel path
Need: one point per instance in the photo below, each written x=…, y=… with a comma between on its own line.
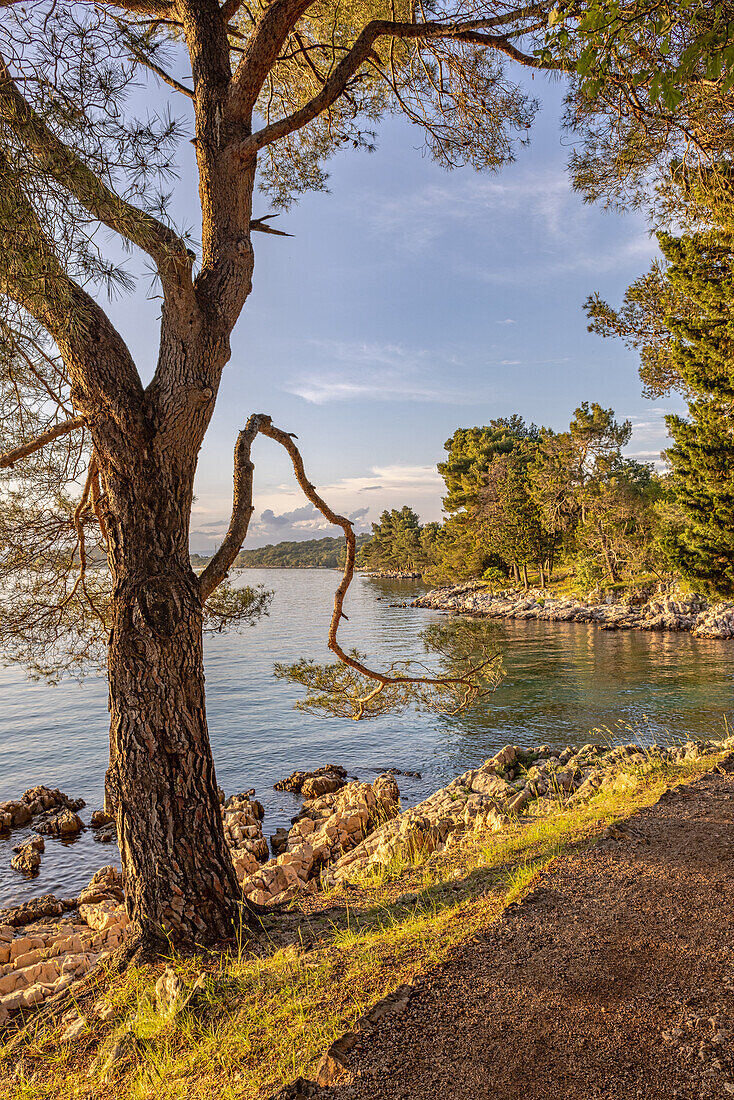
x=614, y=979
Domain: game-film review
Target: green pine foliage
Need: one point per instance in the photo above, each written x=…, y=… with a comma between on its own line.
x=702, y=455
x=680, y=318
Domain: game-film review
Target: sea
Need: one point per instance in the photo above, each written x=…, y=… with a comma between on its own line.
x=565, y=683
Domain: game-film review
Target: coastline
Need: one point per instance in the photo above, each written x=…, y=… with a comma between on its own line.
x=676, y=612
x=335, y=960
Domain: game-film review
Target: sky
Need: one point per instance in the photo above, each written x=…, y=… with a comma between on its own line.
x=411, y=301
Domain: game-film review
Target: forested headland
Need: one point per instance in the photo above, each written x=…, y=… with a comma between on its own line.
x=326, y=553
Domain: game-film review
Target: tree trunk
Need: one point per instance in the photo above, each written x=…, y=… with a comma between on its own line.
x=541, y=575
x=179, y=877
x=525, y=576
x=607, y=555
x=515, y=572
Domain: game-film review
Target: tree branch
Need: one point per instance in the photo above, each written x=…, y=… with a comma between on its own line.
x=60, y=162
x=101, y=370
x=335, y=85
x=11, y=457
x=257, y=225
x=261, y=52
x=242, y=510
x=229, y=9
x=158, y=70
x=135, y=7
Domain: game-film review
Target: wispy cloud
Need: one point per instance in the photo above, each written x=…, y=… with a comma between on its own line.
x=534, y=218
x=419, y=219
x=355, y=370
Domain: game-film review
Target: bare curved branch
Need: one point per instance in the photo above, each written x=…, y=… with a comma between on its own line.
x=242, y=510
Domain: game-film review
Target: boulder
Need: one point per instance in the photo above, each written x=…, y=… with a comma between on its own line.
x=65, y=824
x=242, y=820
x=487, y=783
x=332, y=773
x=28, y=859
x=279, y=840
x=104, y=915
x=105, y=885
x=41, y=799
x=35, y=909
x=321, y=784
x=169, y=989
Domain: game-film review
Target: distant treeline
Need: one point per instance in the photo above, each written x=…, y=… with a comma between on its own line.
x=326, y=553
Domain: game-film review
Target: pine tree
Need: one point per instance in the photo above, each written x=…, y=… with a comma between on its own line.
x=702, y=455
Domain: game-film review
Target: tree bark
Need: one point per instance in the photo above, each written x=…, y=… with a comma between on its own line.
x=179, y=878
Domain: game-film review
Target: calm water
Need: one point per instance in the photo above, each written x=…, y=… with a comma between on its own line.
x=563, y=680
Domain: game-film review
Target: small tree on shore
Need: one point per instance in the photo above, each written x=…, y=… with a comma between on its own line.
x=102, y=465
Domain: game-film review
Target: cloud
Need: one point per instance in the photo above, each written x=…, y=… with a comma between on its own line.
x=412, y=482
x=357, y=370
x=213, y=528
x=649, y=436
x=533, y=217
x=282, y=518
x=269, y=519
x=579, y=254
x=507, y=321
x=438, y=209
x=300, y=523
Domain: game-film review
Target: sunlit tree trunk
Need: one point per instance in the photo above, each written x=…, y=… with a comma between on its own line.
x=179, y=877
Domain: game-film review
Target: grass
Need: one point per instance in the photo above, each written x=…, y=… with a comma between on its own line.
x=261, y=1020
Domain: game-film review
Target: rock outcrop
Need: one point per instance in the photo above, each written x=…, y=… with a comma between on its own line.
x=28, y=859
x=242, y=817
x=326, y=828
x=513, y=782
x=65, y=824
x=313, y=784
x=16, y=813
x=38, y=959
x=662, y=612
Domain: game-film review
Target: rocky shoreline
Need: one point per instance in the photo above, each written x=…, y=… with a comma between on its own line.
x=674, y=612
x=392, y=575
x=343, y=829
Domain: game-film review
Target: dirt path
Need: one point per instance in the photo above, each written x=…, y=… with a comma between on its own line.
x=614, y=979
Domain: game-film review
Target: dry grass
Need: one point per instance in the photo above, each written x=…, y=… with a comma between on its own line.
x=262, y=1020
